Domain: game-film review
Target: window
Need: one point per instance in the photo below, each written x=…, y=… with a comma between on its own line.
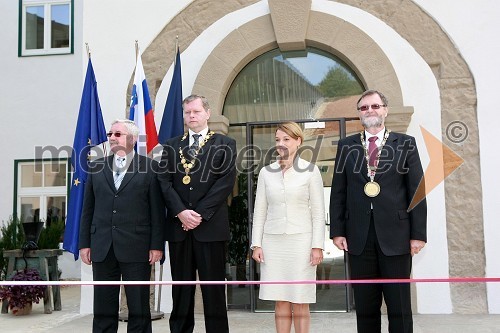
x=290, y=86
x=298, y=85
x=46, y=27
x=42, y=190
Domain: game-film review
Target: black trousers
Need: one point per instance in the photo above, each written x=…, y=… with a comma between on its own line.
x=106, y=298
x=373, y=264
x=186, y=257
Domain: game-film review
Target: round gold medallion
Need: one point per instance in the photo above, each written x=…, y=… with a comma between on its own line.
x=186, y=180
x=372, y=189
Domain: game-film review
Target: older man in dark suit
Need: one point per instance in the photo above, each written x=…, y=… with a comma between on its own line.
x=198, y=174
x=121, y=229
x=377, y=173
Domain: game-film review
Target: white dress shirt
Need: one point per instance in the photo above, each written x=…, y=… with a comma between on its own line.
x=124, y=165
x=379, y=135
x=200, y=139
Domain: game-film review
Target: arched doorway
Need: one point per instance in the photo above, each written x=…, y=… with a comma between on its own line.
x=317, y=90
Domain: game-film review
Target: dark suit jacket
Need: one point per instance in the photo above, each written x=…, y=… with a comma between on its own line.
x=399, y=174
x=212, y=180
x=132, y=218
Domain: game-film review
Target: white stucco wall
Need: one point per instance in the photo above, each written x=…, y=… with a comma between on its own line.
x=473, y=26
x=40, y=99
x=111, y=29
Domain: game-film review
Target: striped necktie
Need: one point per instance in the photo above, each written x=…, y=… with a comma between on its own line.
x=195, y=146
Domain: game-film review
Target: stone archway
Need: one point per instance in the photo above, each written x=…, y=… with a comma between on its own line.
x=456, y=85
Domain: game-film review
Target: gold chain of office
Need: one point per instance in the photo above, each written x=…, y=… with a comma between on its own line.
x=188, y=165
x=372, y=188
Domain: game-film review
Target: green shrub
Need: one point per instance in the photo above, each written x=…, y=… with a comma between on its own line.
x=50, y=237
x=11, y=238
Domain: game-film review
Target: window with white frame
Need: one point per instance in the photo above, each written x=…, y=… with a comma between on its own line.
x=42, y=190
x=46, y=27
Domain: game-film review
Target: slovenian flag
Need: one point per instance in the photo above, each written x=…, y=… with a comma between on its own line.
x=141, y=112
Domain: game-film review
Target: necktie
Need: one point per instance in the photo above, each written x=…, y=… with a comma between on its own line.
x=195, y=146
x=120, y=173
x=372, y=150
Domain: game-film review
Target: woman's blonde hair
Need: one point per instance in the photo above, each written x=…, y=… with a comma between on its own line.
x=292, y=129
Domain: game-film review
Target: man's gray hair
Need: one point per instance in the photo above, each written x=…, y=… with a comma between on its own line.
x=132, y=128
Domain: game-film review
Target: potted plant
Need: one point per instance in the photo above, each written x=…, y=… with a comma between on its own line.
x=51, y=235
x=21, y=297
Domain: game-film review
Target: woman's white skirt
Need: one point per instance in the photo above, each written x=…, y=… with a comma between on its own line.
x=287, y=258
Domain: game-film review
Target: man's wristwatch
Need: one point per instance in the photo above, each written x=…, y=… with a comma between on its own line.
x=254, y=247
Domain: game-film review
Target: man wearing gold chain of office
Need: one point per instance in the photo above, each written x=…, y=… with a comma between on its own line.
x=377, y=173
x=197, y=176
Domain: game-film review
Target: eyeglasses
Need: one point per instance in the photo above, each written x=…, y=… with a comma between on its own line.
x=373, y=106
x=116, y=134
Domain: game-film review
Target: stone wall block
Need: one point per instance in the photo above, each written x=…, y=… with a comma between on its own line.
x=290, y=20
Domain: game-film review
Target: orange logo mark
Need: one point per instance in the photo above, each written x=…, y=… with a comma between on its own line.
x=442, y=162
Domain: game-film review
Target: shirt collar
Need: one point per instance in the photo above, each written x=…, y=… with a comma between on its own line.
x=202, y=132
x=379, y=135
x=128, y=157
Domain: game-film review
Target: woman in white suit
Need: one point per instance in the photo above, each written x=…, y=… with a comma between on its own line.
x=288, y=230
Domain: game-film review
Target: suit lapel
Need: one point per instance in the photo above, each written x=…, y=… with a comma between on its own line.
x=183, y=144
x=387, y=156
x=108, y=171
x=358, y=157
x=202, y=154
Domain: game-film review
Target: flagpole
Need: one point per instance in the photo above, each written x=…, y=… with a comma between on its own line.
x=136, y=50
x=87, y=47
x=90, y=131
x=176, y=48
x=161, y=264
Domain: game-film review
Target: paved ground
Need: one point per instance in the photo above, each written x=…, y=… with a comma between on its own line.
x=70, y=320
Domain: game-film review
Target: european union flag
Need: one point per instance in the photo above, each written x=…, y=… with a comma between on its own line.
x=172, y=123
x=89, y=132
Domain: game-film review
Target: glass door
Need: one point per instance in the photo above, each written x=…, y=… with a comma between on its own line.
x=319, y=147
